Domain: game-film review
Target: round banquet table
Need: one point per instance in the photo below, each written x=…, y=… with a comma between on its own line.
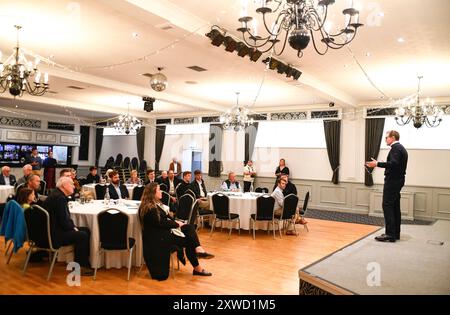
x=5, y=191
x=86, y=215
x=243, y=204
x=91, y=188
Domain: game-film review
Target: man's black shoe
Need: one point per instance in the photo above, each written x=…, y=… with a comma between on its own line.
x=86, y=271
x=202, y=273
x=205, y=255
x=385, y=238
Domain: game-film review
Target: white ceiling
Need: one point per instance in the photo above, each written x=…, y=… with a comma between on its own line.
x=85, y=37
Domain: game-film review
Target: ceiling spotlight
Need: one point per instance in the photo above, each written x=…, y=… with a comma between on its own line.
x=281, y=68
x=296, y=74
x=273, y=63
x=401, y=40
x=230, y=44
x=242, y=49
x=148, y=103
x=216, y=37
x=254, y=54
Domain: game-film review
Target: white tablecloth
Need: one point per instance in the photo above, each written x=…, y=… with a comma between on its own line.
x=86, y=215
x=5, y=190
x=243, y=204
x=91, y=188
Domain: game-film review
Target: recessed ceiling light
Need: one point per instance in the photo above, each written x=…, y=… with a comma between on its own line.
x=368, y=54
x=346, y=66
x=400, y=40
x=381, y=14
x=135, y=35
x=51, y=57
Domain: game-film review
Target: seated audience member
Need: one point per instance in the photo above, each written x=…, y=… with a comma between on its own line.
x=162, y=179
x=64, y=231
x=25, y=197
x=65, y=172
x=6, y=178
x=185, y=184
x=231, y=183
x=107, y=177
x=160, y=233
x=199, y=188
x=92, y=177
x=116, y=189
x=34, y=183
x=171, y=183
x=76, y=184
x=290, y=187
x=134, y=178
x=277, y=194
x=150, y=176
x=27, y=170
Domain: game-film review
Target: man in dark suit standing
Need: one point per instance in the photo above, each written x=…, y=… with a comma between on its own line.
x=6, y=178
x=116, y=189
x=394, y=179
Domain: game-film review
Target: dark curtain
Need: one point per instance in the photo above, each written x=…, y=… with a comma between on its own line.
x=333, y=139
x=374, y=134
x=140, y=142
x=250, y=138
x=215, y=150
x=159, y=144
x=98, y=141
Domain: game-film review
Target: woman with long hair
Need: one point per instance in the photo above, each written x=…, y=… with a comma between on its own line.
x=161, y=234
x=25, y=197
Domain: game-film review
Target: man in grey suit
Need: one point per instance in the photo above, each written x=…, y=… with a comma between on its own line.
x=6, y=178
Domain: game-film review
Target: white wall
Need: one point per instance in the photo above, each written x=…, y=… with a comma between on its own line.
x=425, y=167
x=113, y=145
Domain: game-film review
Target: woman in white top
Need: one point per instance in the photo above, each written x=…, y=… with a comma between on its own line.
x=134, y=179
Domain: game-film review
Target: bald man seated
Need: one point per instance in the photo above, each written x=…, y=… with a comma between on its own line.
x=6, y=178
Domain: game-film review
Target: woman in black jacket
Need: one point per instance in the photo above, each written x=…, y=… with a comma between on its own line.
x=161, y=234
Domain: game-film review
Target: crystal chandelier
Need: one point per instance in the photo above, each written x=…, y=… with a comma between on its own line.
x=236, y=118
x=127, y=123
x=158, y=81
x=297, y=22
x=16, y=71
x=418, y=111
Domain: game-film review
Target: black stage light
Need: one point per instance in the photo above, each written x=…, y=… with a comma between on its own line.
x=273, y=63
x=230, y=44
x=242, y=49
x=148, y=103
x=216, y=37
x=290, y=71
x=254, y=54
x=297, y=74
x=281, y=68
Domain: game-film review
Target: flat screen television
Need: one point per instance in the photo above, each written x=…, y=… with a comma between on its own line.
x=26, y=148
x=60, y=154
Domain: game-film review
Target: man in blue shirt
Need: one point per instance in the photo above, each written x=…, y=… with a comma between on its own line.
x=35, y=161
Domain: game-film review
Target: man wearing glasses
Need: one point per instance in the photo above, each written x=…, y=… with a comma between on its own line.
x=394, y=179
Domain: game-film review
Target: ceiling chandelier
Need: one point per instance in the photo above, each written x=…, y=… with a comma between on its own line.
x=236, y=118
x=16, y=71
x=420, y=112
x=158, y=81
x=297, y=22
x=127, y=123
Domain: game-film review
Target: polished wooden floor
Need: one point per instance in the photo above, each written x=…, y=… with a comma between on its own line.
x=241, y=266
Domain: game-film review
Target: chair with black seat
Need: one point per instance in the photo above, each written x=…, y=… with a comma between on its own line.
x=221, y=206
x=119, y=160
x=19, y=187
x=143, y=166
x=134, y=163
x=304, y=209
x=288, y=213
x=126, y=163
x=163, y=187
x=114, y=234
x=137, y=192
x=262, y=190
x=109, y=163
x=42, y=188
x=39, y=237
x=185, y=207
x=191, y=192
x=194, y=213
x=264, y=212
x=100, y=191
x=165, y=199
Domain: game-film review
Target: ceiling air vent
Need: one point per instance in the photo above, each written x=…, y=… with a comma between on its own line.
x=164, y=26
x=75, y=87
x=197, y=68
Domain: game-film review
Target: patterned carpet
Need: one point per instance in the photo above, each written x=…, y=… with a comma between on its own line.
x=355, y=218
